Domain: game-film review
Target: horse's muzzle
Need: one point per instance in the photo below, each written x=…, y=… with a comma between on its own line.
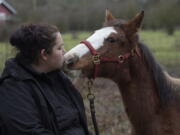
x=70, y=61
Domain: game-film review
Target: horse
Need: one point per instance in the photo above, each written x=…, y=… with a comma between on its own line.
x=150, y=94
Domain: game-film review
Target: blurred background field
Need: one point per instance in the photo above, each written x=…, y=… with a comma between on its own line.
x=77, y=19
x=166, y=48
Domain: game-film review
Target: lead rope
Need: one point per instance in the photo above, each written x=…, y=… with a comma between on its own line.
x=91, y=98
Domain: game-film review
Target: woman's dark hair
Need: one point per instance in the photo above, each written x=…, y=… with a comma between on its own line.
x=30, y=39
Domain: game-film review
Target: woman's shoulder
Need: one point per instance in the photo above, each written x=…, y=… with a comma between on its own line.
x=14, y=70
x=10, y=83
x=14, y=81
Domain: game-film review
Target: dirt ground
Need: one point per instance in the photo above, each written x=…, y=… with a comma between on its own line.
x=110, y=113
x=111, y=117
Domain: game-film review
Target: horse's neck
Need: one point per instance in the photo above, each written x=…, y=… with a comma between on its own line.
x=139, y=95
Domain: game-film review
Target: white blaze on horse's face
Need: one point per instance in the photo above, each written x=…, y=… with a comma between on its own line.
x=96, y=41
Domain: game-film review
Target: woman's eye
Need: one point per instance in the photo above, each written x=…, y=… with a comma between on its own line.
x=111, y=39
x=59, y=49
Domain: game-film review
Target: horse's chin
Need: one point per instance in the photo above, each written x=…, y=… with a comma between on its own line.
x=87, y=73
x=73, y=68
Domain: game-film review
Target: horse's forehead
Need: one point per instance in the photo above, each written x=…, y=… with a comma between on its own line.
x=98, y=37
x=95, y=39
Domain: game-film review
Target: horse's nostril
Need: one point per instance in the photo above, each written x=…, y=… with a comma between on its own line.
x=71, y=61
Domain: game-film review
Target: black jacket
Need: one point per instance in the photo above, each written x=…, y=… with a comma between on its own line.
x=25, y=106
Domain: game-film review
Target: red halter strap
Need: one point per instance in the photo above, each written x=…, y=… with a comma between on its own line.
x=97, y=59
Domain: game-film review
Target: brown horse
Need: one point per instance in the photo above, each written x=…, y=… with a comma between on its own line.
x=149, y=94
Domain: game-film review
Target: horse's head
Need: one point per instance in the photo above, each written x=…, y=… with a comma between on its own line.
x=114, y=43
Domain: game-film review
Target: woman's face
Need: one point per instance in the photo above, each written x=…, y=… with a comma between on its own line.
x=55, y=58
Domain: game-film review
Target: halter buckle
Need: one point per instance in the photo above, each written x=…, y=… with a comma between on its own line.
x=96, y=59
x=121, y=58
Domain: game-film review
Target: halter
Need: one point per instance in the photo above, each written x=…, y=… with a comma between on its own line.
x=97, y=59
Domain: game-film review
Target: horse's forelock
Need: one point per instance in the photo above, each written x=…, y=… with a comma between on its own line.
x=114, y=23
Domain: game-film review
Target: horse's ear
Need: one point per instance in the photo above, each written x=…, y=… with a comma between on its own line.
x=109, y=16
x=135, y=23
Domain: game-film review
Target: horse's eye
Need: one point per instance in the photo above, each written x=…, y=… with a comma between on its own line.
x=111, y=39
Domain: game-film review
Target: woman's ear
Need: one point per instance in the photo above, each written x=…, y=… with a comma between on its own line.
x=43, y=55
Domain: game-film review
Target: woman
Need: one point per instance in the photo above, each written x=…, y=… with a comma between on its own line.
x=36, y=97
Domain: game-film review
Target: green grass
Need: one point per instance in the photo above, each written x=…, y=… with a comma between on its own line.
x=70, y=42
x=159, y=41
x=6, y=51
x=165, y=48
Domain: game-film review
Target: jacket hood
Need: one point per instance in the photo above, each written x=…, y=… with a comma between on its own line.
x=16, y=70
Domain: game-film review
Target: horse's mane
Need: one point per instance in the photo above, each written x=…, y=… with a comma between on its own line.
x=162, y=82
